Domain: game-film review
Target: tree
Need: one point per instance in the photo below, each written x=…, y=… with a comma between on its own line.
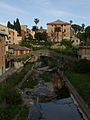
x=57, y=30
x=36, y=20
x=83, y=26
x=38, y=36
x=41, y=27
x=82, y=66
x=41, y=36
x=17, y=26
x=77, y=28
x=71, y=21
x=87, y=31
x=8, y=24
x=44, y=36
x=34, y=28
x=81, y=36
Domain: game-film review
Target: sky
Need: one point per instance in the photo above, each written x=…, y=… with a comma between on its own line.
x=45, y=10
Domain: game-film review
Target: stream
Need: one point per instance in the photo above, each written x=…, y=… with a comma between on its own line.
x=53, y=104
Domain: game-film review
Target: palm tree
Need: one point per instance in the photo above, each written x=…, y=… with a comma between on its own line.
x=71, y=21
x=70, y=28
x=83, y=26
x=36, y=20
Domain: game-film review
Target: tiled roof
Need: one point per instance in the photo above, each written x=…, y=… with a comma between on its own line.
x=58, y=22
x=17, y=47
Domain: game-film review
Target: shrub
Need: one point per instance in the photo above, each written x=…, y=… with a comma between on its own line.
x=12, y=96
x=83, y=66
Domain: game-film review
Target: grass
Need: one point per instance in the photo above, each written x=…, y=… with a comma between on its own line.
x=68, y=52
x=23, y=113
x=9, y=112
x=17, y=77
x=30, y=83
x=82, y=84
x=9, y=96
x=46, y=76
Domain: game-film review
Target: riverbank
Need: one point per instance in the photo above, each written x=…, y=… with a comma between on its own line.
x=11, y=103
x=78, y=99
x=82, y=84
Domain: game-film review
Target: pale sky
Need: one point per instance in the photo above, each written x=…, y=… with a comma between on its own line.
x=45, y=10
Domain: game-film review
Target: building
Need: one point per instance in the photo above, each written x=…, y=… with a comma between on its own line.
x=18, y=50
x=12, y=35
x=25, y=32
x=58, y=30
x=2, y=52
x=84, y=52
x=76, y=41
x=32, y=33
x=42, y=30
x=24, y=28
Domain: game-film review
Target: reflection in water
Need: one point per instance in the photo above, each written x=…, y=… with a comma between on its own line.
x=63, y=109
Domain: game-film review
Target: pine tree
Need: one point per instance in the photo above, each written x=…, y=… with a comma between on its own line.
x=8, y=24
x=17, y=26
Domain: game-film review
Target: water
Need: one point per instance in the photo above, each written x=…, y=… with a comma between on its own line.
x=62, y=109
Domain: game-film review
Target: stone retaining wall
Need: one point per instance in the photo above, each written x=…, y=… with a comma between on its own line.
x=81, y=103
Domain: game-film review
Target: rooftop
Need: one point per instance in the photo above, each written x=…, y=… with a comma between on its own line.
x=2, y=33
x=58, y=22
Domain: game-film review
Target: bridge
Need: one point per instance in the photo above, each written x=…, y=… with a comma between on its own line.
x=45, y=52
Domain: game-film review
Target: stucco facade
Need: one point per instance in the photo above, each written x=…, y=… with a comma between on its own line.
x=11, y=35
x=64, y=32
x=84, y=52
x=18, y=50
x=2, y=53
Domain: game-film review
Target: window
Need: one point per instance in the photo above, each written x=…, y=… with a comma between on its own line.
x=77, y=41
x=21, y=52
x=64, y=30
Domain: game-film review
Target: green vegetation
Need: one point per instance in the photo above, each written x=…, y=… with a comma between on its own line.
x=46, y=76
x=10, y=98
x=16, y=26
x=21, y=58
x=17, y=77
x=23, y=113
x=80, y=78
x=82, y=32
x=9, y=112
x=82, y=66
x=68, y=52
x=30, y=83
x=41, y=36
x=81, y=83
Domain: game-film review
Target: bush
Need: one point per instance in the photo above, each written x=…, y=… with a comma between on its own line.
x=82, y=66
x=11, y=96
x=9, y=112
x=30, y=83
x=23, y=113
